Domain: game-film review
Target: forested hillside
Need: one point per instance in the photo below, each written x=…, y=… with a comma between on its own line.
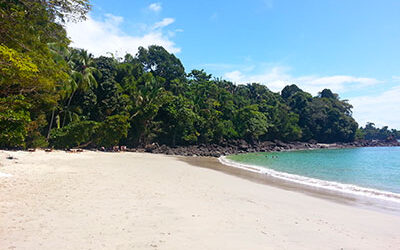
x=370, y=132
x=58, y=96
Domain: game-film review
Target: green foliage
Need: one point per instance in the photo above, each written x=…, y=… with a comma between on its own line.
x=112, y=130
x=289, y=91
x=28, y=65
x=15, y=67
x=37, y=141
x=327, y=93
x=370, y=132
x=178, y=120
x=324, y=118
x=108, y=96
x=68, y=10
x=75, y=134
x=251, y=123
x=14, y=120
x=147, y=96
x=360, y=134
x=214, y=106
x=284, y=124
x=158, y=61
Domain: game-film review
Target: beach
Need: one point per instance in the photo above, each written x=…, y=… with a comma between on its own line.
x=98, y=200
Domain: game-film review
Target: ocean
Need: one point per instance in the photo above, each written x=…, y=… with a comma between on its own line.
x=371, y=171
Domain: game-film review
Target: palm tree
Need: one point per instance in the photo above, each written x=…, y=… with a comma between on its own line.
x=147, y=96
x=60, y=55
x=82, y=74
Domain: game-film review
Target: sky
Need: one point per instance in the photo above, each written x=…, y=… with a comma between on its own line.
x=349, y=46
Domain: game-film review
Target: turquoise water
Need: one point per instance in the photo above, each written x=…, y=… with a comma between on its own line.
x=376, y=168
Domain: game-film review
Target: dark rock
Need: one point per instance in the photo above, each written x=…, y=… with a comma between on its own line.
x=151, y=147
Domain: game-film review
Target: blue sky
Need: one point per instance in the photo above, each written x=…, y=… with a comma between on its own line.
x=349, y=46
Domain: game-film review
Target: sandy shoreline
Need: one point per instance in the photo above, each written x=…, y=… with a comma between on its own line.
x=352, y=194
x=145, y=201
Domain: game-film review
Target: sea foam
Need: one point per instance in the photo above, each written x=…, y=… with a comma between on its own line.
x=316, y=183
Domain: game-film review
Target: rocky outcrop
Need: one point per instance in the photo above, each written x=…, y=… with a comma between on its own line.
x=241, y=146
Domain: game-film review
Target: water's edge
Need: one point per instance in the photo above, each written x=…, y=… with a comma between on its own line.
x=350, y=189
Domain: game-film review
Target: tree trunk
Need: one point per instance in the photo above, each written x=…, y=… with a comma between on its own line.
x=174, y=138
x=69, y=103
x=51, y=123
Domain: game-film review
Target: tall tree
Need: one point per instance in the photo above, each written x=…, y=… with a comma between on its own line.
x=160, y=63
x=82, y=73
x=28, y=66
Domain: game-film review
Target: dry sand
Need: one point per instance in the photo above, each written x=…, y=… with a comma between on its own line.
x=96, y=200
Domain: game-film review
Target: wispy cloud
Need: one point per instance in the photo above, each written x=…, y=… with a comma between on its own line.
x=106, y=36
x=382, y=109
x=156, y=7
x=396, y=78
x=278, y=77
x=163, y=23
x=219, y=66
x=214, y=16
x=268, y=4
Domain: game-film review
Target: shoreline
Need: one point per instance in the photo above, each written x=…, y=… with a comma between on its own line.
x=253, y=173
x=150, y=201
x=383, y=199
x=229, y=147
x=241, y=146
x=278, y=179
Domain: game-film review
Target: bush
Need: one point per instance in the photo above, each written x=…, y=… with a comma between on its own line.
x=74, y=134
x=112, y=130
x=14, y=120
x=37, y=141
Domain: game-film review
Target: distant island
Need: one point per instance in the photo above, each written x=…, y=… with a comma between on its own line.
x=52, y=95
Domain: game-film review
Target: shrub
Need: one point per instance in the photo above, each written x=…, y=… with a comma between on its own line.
x=74, y=134
x=112, y=130
x=14, y=120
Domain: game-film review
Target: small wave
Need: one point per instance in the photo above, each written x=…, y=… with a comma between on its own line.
x=316, y=183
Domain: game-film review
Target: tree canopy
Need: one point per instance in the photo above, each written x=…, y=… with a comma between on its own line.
x=370, y=132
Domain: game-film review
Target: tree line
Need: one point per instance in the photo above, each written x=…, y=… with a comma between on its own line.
x=52, y=95
x=370, y=132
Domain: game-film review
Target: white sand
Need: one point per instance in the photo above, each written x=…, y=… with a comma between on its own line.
x=94, y=200
x=4, y=175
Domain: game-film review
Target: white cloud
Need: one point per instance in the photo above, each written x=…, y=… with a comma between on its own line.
x=105, y=36
x=276, y=78
x=340, y=79
x=163, y=23
x=235, y=76
x=172, y=33
x=396, y=78
x=156, y=7
x=382, y=109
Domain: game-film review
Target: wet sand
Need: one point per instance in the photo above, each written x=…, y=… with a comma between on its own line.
x=96, y=200
x=339, y=197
